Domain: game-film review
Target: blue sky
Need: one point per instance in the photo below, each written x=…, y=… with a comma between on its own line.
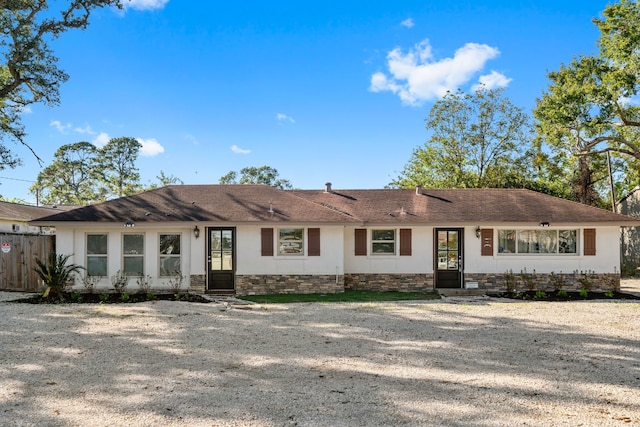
x=329, y=91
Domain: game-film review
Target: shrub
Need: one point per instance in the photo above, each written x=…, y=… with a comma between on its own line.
x=144, y=284
x=90, y=282
x=509, y=281
x=56, y=274
x=528, y=280
x=562, y=293
x=175, y=283
x=558, y=281
x=541, y=294
x=119, y=282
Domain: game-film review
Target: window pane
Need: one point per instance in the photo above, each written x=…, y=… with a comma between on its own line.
x=442, y=260
x=527, y=242
x=170, y=244
x=452, y=262
x=548, y=241
x=169, y=266
x=216, y=239
x=216, y=260
x=507, y=241
x=383, y=248
x=133, y=244
x=133, y=266
x=383, y=235
x=291, y=234
x=96, y=244
x=453, y=240
x=227, y=260
x=97, y=266
x=290, y=241
x=289, y=247
x=227, y=242
x=442, y=240
x=567, y=243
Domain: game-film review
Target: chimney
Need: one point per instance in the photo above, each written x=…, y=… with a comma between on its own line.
x=419, y=190
x=327, y=188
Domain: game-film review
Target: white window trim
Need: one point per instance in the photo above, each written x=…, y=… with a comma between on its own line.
x=396, y=241
x=124, y=255
x=303, y=243
x=539, y=254
x=87, y=254
x=160, y=255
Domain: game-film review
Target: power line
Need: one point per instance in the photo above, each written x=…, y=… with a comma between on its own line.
x=16, y=179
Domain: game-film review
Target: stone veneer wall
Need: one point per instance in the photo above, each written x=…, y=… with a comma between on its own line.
x=261, y=284
x=545, y=282
x=389, y=282
x=197, y=283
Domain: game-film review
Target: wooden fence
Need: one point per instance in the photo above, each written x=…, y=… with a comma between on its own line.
x=17, y=260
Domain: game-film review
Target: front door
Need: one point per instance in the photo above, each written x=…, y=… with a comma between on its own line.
x=221, y=259
x=449, y=257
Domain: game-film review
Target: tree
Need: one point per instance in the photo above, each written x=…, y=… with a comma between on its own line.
x=477, y=140
x=116, y=161
x=72, y=178
x=256, y=175
x=587, y=108
x=81, y=173
x=29, y=70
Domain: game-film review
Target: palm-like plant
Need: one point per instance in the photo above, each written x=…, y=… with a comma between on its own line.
x=55, y=273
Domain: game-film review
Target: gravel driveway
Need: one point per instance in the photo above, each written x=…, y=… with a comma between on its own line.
x=458, y=361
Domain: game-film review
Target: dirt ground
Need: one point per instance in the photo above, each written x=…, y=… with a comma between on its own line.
x=458, y=361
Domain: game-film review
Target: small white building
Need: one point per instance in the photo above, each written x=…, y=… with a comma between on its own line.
x=255, y=239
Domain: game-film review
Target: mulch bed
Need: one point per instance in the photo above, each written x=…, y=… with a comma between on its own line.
x=111, y=298
x=566, y=296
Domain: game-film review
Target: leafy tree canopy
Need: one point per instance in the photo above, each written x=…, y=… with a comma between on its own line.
x=477, y=140
x=588, y=107
x=29, y=70
x=81, y=173
x=256, y=175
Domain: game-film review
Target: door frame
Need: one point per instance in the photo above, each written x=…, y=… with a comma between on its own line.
x=207, y=256
x=461, y=256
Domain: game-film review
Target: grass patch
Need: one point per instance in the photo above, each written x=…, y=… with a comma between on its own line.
x=348, y=296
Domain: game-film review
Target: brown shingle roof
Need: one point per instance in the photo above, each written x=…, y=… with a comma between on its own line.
x=18, y=212
x=214, y=203
x=477, y=205
x=251, y=203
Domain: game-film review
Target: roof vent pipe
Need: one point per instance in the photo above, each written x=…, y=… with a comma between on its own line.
x=327, y=188
x=419, y=190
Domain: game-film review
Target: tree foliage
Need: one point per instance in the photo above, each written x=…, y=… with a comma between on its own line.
x=29, y=70
x=81, y=173
x=256, y=175
x=588, y=107
x=477, y=140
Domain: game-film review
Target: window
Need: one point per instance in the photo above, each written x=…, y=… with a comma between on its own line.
x=169, y=254
x=537, y=241
x=383, y=242
x=133, y=254
x=290, y=241
x=97, y=255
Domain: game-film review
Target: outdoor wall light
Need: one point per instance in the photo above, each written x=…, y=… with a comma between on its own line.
x=478, y=230
x=196, y=232
x=129, y=224
x=544, y=224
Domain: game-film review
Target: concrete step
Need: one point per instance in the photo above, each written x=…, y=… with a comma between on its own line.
x=458, y=292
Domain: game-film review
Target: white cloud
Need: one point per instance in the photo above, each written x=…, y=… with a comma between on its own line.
x=150, y=147
x=408, y=23
x=283, y=117
x=144, y=4
x=101, y=140
x=239, y=150
x=59, y=126
x=492, y=81
x=85, y=130
x=417, y=77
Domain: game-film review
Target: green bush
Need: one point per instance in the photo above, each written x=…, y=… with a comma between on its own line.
x=56, y=273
